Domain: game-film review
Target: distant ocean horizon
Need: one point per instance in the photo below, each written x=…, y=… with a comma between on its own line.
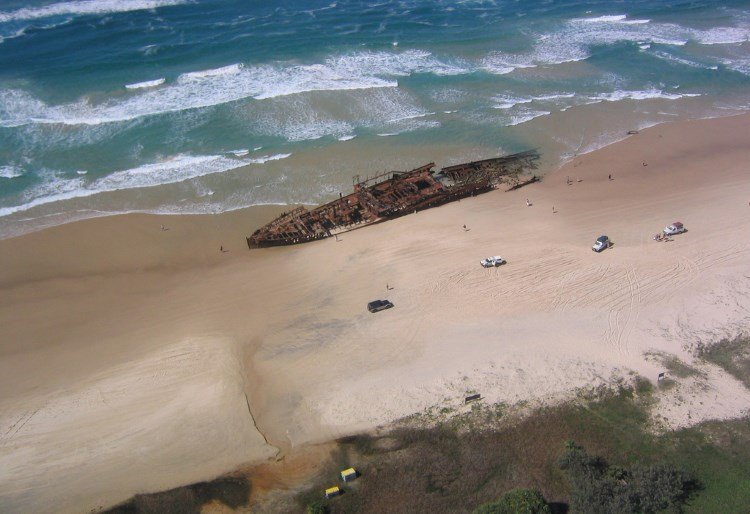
x=204, y=106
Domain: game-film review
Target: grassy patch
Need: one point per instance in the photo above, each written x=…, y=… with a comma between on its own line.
x=731, y=354
x=674, y=366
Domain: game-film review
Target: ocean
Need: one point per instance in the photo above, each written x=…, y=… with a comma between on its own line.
x=204, y=106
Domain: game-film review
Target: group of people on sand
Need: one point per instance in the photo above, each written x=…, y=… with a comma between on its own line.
x=661, y=237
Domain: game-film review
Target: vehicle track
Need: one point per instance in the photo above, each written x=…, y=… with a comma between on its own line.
x=20, y=423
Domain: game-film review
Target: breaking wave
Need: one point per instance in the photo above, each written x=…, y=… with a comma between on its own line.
x=526, y=116
x=10, y=171
x=175, y=169
x=199, y=89
x=508, y=102
x=650, y=94
x=146, y=84
x=84, y=8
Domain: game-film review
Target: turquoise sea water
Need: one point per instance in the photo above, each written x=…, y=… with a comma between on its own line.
x=183, y=106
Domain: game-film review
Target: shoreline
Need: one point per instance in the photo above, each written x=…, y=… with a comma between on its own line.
x=119, y=328
x=369, y=160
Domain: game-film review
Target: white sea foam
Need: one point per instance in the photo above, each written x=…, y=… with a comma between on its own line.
x=681, y=60
x=554, y=96
x=722, y=35
x=205, y=88
x=573, y=41
x=739, y=65
x=175, y=169
x=602, y=19
x=500, y=63
x=13, y=35
x=410, y=117
x=84, y=8
x=82, y=172
x=508, y=102
x=301, y=125
x=239, y=153
x=526, y=116
x=615, y=18
x=268, y=158
x=346, y=138
x=301, y=118
x=650, y=94
x=10, y=171
x=145, y=84
x=232, y=69
x=149, y=49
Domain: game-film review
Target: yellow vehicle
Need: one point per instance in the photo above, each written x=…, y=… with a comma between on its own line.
x=332, y=492
x=348, y=474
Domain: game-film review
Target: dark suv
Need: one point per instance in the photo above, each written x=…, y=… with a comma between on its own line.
x=379, y=305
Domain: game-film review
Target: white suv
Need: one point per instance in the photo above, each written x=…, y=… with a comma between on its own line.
x=601, y=243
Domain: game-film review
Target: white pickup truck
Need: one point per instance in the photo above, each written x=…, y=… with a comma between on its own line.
x=492, y=262
x=674, y=228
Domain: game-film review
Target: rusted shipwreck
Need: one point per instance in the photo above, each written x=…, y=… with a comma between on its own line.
x=393, y=194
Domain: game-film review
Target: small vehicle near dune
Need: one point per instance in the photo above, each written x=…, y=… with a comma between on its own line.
x=379, y=305
x=675, y=228
x=492, y=262
x=601, y=243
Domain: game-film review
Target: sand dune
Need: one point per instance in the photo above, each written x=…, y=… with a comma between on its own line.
x=130, y=354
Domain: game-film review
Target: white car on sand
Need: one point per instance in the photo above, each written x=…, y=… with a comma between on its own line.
x=492, y=262
x=601, y=243
x=674, y=228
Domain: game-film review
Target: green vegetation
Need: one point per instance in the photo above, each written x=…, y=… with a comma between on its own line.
x=731, y=354
x=516, y=501
x=472, y=459
x=316, y=507
x=674, y=366
x=599, y=487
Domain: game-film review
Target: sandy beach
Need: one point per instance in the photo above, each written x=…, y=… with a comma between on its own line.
x=136, y=356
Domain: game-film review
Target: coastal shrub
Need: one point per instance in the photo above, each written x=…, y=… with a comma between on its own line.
x=516, y=501
x=731, y=354
x=600, y=488
x=316, y=507
x=643, y=386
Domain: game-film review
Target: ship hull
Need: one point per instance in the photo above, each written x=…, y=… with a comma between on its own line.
x=392, y=195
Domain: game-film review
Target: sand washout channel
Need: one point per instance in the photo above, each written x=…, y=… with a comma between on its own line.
x=176, y=415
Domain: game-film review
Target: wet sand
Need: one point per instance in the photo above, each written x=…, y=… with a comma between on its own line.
x=136, y=359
